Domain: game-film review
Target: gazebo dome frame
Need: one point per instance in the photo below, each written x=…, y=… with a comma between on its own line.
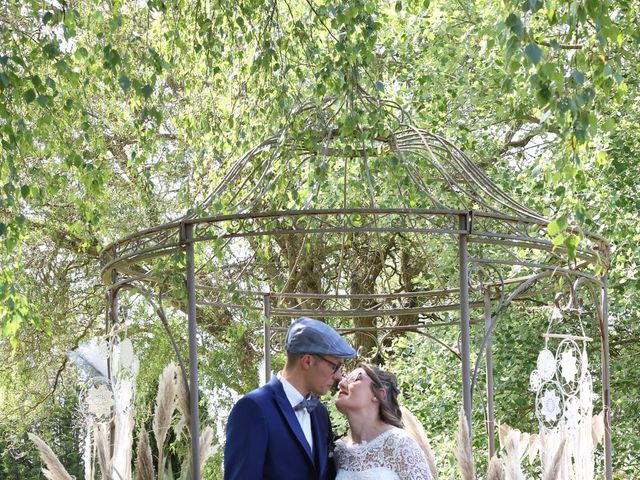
x=506, y=242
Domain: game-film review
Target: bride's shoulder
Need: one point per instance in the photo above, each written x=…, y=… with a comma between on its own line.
x=396, y=433
x=399, y=437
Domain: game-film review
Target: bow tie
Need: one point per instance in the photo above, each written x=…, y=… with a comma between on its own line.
x=308, y=403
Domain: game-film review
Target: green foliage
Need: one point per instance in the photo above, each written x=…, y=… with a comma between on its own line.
x=121, y=116
x=60, y=428
x=429, y=379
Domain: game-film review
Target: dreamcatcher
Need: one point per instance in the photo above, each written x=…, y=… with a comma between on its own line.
x=564, y=399
x=109, y=401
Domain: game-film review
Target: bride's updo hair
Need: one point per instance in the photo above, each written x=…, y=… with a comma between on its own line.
x=389, y=408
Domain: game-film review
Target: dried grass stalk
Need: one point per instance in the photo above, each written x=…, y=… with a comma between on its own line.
x=56, y=470
x=463, y=451
x=496, y=469
x=144, y=460
x=165, y=406
x=415, y=429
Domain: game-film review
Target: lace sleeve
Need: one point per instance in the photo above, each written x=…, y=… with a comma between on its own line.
x=409, y=460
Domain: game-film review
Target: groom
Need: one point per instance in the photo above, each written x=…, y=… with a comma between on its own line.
x=280, y=431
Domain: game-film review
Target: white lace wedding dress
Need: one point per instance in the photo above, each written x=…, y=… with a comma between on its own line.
x=392, y=455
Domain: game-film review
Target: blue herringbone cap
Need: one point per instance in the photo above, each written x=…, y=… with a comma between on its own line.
x=307, y=335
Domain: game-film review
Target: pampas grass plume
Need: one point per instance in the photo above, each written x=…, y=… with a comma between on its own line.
x=503, y=433
x=495, y=469
x=56, y=469
x=206, y=448
x=513, y=470
x=463, y=449
x=144, y=460
x=534, y=447
x=597, y=428
x=415, y=429
x=165, y=406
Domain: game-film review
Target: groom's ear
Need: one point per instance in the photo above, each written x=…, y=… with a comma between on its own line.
x=305, y=361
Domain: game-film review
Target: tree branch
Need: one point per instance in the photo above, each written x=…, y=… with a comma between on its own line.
x=561, y=46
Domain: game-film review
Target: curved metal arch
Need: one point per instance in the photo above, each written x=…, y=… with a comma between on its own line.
x=419, y=329
x=513, y=296
x=502, y=232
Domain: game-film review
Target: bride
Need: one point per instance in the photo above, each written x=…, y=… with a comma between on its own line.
x=377, y=446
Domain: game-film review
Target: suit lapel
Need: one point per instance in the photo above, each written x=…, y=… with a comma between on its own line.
x=319, y=443
x=287, y=410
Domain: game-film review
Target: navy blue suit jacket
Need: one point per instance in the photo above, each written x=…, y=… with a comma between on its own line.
x=265, y=440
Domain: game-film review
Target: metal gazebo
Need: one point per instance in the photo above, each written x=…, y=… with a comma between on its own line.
x=353, y=215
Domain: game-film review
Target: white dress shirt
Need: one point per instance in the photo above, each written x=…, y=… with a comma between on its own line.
x=295, y=397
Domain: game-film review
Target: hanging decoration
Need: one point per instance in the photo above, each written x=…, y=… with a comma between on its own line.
x=564, y=397
x=109, y=402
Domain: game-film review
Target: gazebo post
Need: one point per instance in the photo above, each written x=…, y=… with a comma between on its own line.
x=606, y=381
x=111, y=313
x=463, y=239
x=489, y=360
x=111, y=319
x=267, y=337
x=187, y=240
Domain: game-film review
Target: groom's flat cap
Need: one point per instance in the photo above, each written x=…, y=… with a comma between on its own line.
x=307, y=335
